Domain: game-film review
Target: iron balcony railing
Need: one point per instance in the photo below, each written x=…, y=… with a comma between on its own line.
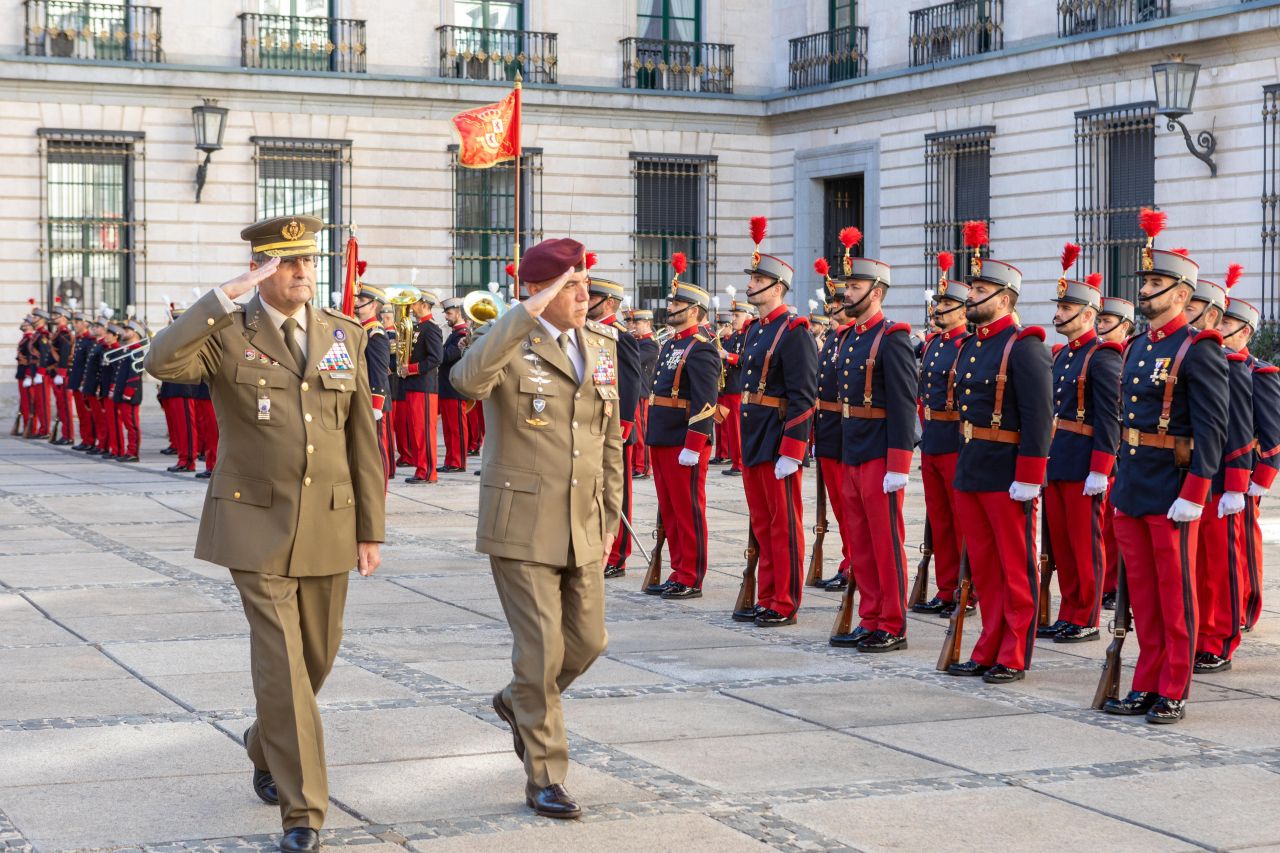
x=475, y=53
x=677, y=66
x=955, y=30
x=94, y=31
x=1088, y=16
x=297, y=43
x=829, y=57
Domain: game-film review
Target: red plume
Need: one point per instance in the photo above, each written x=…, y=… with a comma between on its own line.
x=1094, y=280
x=759, y=225
x=57, y=300
x=822, y=267
x=511, y=270
x=31, y=300
x=592, y=259
x=679, y=262
x=1186, y=253
x=1069, y=254
x=975, y=233
x=946, y=261
x=1234, y=272
x=850, y=237
x=361, y=266
x=1152, y=221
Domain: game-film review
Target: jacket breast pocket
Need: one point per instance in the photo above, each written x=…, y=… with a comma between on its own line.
x=508, y=504
x=336, y=399
x=255, y=385
x=533, y=409
x=608, y=395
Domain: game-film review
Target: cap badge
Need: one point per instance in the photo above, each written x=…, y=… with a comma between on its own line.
x=755, y=259
x=1062, y=287
x=975, y=265
x=942, y=287
x=1148, y=262
x=848, y=264
x=293, y=230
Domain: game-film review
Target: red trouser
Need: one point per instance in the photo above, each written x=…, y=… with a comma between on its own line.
x=454, y=421
x=106, y=418
x=115, y=436
x=179, y=416
x=1218, y=581
x=24, y=406
x=420, y=433
x=475, y=427
x=85, y=416
x=207, y=432
x=622, y=542
x=938, y=471
x=874, y=520
x=40, y=404
x=999, y=535
x=1250, y=549
x=62, y=398
x=732, y=430
x=1160, y=569
x=1109, y=543
x=1079, y=553
x=98, y=413
x=639, y=457
x=400, y=426
x=777, y=519
x=833, y=479
x=127, y=421
x=682, y=503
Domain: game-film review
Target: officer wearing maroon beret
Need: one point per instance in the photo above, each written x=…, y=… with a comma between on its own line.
x=1004, y=386
x=780, y=383
x=1086, y=400
x=1174, y=393
x=828, y=433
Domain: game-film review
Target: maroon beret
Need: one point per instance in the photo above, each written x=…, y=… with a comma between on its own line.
x=549, y=259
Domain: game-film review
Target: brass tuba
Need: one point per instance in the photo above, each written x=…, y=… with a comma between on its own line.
x=482, y=307
x=401, y=300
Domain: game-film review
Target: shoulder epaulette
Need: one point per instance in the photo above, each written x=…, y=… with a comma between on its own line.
x=1031, y=332
x=334, y=312
x=747, y=324
x=928, y=339
x=798, y=322
x=1263, y=367
x=1237, y=356
x=377, y=330
x=898, y=327
x=602, y=329
x=700, y=338
x=1209, y=335
x=1111, y=345
x=1057, y=348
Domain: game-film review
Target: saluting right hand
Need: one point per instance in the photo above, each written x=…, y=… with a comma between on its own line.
x=538, y=303
x=248, y=280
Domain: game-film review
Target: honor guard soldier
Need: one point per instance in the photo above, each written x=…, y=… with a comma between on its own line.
x=827, y=430
x=1086, y=399
x=877, y=379
x=109, y=422
x=453, y=407
x=605, y=297
x=780, y=383
x=179, y=417
x=682, y=411
x=1239, y=325
x=1115, y=325
x=89, y=383
x=421, y=386
x=642, y=329
x=1174, y=393
x=61, y=348
x=723, y=328
x=1004, y=386
x=39, y=352
x=731, y=395
x=23, y=377
x=85, y=341
x=126, y=392
x=368, y=305
x=206, y=428
x=940, y=434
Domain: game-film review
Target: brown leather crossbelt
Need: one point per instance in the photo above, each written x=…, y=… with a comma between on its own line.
x=1003, y=436
x=668, y=402
x=940, y=415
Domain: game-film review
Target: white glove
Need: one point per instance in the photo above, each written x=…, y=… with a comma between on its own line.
x=39, y=380
x=57, y=380
x=1024, y=492
x=894, y=482
x=1095, y=484
x=26, y=383
x=1256, y=491
x=1183, y=511
x=688, y=458
x=785, y=467
x=1230, y=503
x=377, y=414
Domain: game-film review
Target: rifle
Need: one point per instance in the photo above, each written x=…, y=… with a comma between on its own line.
x=950, y=652
x=1109, y=683
x=814, y=577
x=1048, y=565
x=844, y=616
x=17, y=424
x=920, y=588
x=653, y=577
x=747, y=592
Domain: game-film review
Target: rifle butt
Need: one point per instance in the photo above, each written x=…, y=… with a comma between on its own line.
x=747, y=590
x=814, y=575
x=1109, y=682
x=951, y=644
x=920, y=587
x=1042, y=606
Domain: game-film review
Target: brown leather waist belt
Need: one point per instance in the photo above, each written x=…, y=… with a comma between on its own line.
x=755, y=398
x=1003, y=436
x=668, y=402
x=868, y=412
x=1073, y=426
x=1164, y=441
x=940, y=415
x=830, y=406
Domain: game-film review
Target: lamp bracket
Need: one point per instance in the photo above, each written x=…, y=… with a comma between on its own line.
x=202, y=172
x=1203, y=147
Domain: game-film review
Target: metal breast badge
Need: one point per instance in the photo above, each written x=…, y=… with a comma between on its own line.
x=540, y=378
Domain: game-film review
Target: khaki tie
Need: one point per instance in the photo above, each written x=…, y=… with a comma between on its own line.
x=563, y=340
x=288, y=328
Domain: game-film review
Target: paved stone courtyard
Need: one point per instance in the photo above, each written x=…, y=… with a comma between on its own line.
x=125, y=689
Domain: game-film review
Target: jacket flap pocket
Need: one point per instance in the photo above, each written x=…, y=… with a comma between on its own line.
x=510, y=478
x=246, y=375
x=607, y=392
x=341, y=382
x=344, y=497
x=238, y=489
x=530, y=386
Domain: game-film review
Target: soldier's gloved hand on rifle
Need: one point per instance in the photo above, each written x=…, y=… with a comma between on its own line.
x=26, y=383
x=688, y=457
x=894, y=482
x=1230, y=503
x=1256, y=491
x=785, y=467
x=1095, y=484
x=1024, y=492
x=1184, y=511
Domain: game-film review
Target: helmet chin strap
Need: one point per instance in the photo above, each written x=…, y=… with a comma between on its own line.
x=1158, y=294
x=1070, y=319
x=851, y=308
x=672, y=316
x=774, y=283
x=969, y=304
x=953, y=308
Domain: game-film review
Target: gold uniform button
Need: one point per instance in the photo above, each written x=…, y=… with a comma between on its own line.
x=236, y=496
x=1132, y=416
x=342, y=386
x=1142, y=364
x=305, y=386
x=1135, y=380
x=1133, y=451
x=968, y=375
x=348, y=501
x=577, y=453
x=573, y=482
x=972, y=359
x=311, y=448
x=262, y=382
x=964, y=408
x=307, y=416
x=209, y=321
x=575, y=424
x=577, y=395
x=306, y=481
x=1133, y=399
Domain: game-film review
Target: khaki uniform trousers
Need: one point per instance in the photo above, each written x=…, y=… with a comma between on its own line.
x=295, y=626
x=556, y=615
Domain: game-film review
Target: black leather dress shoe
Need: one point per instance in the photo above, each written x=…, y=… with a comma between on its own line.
x=1109, y=601
x=1001, y=674
x=1166, y=711
x=882, y=641
x=641, y=476
x=950, y=608
x=732, y=472
x=1207, y=662
x=300, y=839
x=719, y=460
x=92, y=451
x=849, y=640
x=265, y=787
x=554, y=801
x=1048, y=631
x=173, y=469
x=933, y=605
x=657, y=588
x=748, y=615
x=1076, y=634
x=203, y=475
x=168, y=451
x=126, y=459
x=414, y=481
x=679, y=590
x=612, y=571
x=451, y=469
x=968, y=668
x=82, y=447
x=1134, y=703
x=839, y=583
x=770, y=618
x=503, y=710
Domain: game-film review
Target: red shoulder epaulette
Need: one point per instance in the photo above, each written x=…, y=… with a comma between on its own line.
x=745, y=325
x=1057, y=348
x=1112, y=345
x=1031, y=332
x=1237, y=356
x=898, y=327
x=1209, y=335
x=798, y=322
x=928, y=339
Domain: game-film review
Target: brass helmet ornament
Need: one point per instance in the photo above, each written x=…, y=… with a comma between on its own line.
x=975, y=237
x=1070, y=252
x=849, y=237
x=946, y=261
x=822, y=268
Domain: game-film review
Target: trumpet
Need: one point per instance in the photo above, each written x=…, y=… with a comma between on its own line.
x=482, y=307
x=401, y=300
x=135, y=353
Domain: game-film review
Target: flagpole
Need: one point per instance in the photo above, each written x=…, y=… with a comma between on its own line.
x=519, y=150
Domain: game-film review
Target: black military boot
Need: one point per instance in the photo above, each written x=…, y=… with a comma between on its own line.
x=1135, y=703
x=1207, y=662
x=1166, y=711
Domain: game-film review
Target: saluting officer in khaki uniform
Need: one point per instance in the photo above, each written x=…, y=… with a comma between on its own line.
x=550, y=497
x=296, y=500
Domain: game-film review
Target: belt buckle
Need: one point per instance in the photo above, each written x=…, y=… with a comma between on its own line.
x=928, y=414
x=967, y=429
x=1133, y=437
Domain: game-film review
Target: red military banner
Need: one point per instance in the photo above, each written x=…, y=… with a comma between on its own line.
x=490, y=134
